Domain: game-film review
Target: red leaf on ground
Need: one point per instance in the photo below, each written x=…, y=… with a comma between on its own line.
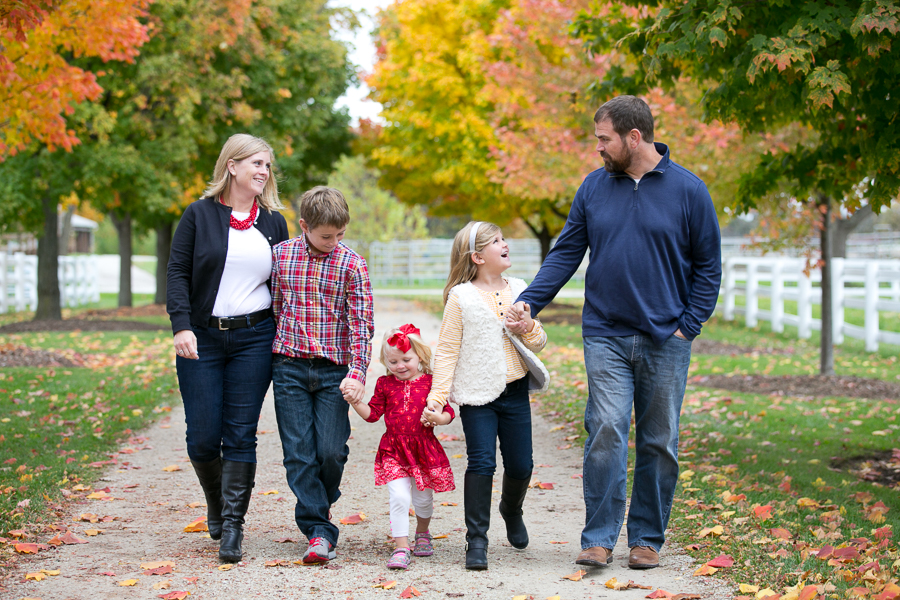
x=848, y=553
x=160, y=571
x=659, y=594
x=175, y=595
x=808, y=592
x=410, y=592
x=890, y=591
x=781, y=533
x=353, y=519
x=27, y=548
x=71, y=538
x=686, y=597
x=721, y=561
x=825, y=552
x=546, y=486
x=763, y=512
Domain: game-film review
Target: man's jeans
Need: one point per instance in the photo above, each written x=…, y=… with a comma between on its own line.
x=224, y=389
x=314, y=427
x=626, y=371
x=507, y=418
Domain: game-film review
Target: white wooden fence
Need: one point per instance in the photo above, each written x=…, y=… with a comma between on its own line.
x=872, y=286
x=78, y=281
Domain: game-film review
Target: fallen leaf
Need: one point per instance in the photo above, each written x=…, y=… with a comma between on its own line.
x=686, y=597
x=158, y=564
x=807, y=503
x=108, y=573
x=276, y=563
x=159, y=570
x=99, y=495
x=765, y=593
x=546, y=486
x=162, y=585
x=35, y=576
x=410, y=592
x=721, y=561
x=17, y=533
x=70, y=538
x=385, y=585
x=197, y=526
x=763, y=512
x=439, y=537
x=705, y=570
x=226, y=567
x=171, y=468
x=286, y=541
x=269, y=493
x=128, y=583
x=51, y=572
x=576, y=576
x=781, y=533
x=353, y=519
x=746, y=588
x=713, y=531
x=181, y=595
x=449, y=504
x=659, y=594
x=809, y=592
x=555, y=542
x=27, y=548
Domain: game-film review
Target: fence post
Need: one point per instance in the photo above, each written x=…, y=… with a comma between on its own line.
x=837, y=299
x=752, y=297
x=804, y=306
x=777, y=308
x=728, y=300
x=871, y=324
x=4, y=285
x=19, y=280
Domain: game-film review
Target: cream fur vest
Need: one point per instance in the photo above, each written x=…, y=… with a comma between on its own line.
x=480, y=375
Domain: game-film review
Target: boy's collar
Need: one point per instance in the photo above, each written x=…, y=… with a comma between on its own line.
x=309, y=249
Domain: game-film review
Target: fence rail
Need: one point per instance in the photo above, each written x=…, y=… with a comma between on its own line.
x=78, y=281
x=872, y=286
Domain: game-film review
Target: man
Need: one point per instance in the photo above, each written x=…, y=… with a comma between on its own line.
x=652, y=280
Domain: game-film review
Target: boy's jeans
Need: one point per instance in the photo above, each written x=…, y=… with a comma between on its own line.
x=314, y=427
x=626, y=371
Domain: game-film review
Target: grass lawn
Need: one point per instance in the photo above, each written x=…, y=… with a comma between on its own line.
x=61, y=425
x=769, y=481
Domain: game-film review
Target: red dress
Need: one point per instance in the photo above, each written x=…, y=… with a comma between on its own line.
x=408, y=448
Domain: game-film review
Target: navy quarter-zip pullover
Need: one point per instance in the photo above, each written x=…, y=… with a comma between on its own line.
x=655, y=253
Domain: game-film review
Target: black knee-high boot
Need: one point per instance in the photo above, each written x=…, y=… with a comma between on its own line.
x=511, y=499
x=237, y=485
x=210, y=476
x=477, y=499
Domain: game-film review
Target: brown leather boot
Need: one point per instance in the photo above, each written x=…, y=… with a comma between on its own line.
x=597, y=556
x=643, y=557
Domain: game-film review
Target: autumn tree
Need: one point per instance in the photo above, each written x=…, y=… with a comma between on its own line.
x=40, y=82
x=828, y=66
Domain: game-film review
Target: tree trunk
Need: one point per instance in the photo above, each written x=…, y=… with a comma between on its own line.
x=48, y=305
x=123, y=229
x=66, y=233
x=543, y=236
x=844, y=227
x=826, y=366
x=163, y=249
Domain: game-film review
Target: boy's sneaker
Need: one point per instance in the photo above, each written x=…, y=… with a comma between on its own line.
x=400, y=559
x=423, y=545
x=320, y=550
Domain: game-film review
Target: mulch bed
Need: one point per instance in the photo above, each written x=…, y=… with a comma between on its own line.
x=79, y=325
x=802, y=385
x=20, y=356
x=881, y=467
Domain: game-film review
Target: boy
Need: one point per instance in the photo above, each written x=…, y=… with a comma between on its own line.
x=322, y=301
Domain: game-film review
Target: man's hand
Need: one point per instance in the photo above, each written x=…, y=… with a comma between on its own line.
x=679, y=334
x=353, y=390
x=518, y=319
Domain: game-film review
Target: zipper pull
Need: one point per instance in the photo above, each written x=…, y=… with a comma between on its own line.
x=635, y=185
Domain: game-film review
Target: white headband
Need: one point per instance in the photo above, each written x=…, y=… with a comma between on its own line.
x=473, y=234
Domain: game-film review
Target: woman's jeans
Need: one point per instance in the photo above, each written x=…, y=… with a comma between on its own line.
x=224, y=389
x=507, y=418
x=624, y=372
x=314, y=426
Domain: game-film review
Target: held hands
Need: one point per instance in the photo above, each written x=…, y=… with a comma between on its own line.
x=186, y=344
x=434, y=414
x=518, y=319
x=353, y=390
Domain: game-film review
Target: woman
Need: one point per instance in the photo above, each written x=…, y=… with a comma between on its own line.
x=219, y=303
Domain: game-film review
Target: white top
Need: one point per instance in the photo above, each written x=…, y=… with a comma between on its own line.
x=248, y=265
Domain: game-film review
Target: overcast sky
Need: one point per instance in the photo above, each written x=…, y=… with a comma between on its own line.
x=363, y=55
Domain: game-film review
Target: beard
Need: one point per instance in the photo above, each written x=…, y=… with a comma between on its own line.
x=620, y=163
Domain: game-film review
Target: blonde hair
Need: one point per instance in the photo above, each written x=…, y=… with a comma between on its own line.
x=418, y=346
x=324, y=206
x=462, y=269
x=237, y=148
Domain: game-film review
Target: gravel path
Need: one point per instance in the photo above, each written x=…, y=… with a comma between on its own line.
x=150, y=508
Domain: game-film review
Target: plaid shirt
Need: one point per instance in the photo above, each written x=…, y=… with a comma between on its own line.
x=322, y=305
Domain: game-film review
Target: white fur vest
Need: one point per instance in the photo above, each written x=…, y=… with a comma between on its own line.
x=480, y=375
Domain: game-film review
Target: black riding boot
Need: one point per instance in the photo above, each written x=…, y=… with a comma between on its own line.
x=511, y=499
x=477, y=499
x=210, y=476
x=237, y=486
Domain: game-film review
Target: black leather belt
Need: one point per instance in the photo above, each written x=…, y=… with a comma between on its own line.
x=241, y=321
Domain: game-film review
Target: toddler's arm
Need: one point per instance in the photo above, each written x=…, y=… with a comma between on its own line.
x=361, y=408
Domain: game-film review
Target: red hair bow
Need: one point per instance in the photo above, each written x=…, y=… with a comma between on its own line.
x=400, y=340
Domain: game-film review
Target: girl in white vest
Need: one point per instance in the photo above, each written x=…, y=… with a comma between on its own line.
x=485, y=363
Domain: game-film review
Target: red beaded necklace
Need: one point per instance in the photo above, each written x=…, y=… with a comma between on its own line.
x=246, y=223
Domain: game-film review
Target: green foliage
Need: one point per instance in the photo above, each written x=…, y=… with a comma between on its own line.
x=376, y=215
x=827, y=66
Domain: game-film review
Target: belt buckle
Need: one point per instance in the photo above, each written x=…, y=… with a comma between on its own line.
x=221, y=321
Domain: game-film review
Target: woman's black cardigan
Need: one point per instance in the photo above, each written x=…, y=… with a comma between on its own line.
x=198, y=256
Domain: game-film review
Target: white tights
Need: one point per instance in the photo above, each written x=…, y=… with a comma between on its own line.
x=402, y=492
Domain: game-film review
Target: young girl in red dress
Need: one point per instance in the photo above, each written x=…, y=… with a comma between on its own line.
x=410, y=460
